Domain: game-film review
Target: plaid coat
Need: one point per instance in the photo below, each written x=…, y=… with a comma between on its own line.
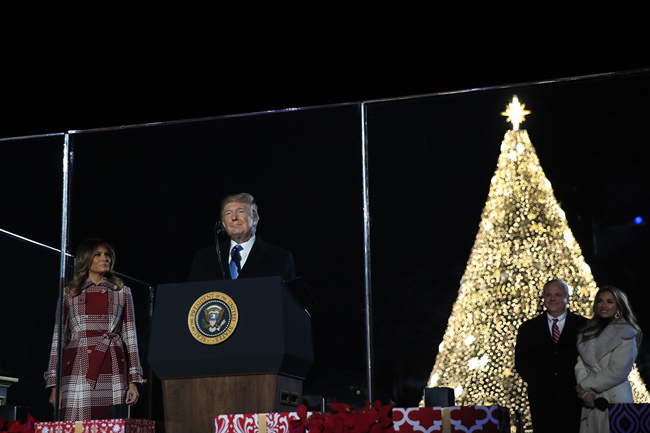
x=98, y=327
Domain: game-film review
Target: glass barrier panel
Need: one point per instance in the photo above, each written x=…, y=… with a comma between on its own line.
x=431, y=164
x=153, y=191
x=30, y=231
x=28, y=315
x=30, y=282
x=31, y=174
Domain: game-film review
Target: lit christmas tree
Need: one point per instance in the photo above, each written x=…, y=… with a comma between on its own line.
x=523, y=241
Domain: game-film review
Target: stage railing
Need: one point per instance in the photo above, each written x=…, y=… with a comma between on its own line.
x=379, y=201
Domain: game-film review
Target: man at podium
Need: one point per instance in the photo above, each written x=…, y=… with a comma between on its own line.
x=244, y=255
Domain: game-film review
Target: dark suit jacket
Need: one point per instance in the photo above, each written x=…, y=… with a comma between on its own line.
x=264, y=260
x=548, y=369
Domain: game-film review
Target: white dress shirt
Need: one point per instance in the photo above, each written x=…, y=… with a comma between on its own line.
x=561, y=320
x=246, y=249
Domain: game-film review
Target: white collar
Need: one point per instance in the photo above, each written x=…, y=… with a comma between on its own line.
x=246, y=249
x=559, y=318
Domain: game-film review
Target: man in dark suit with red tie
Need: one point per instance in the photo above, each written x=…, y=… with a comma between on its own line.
x=244, y=255
x=545, y=357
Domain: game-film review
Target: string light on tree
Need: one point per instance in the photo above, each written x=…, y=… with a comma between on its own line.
x=523, y=241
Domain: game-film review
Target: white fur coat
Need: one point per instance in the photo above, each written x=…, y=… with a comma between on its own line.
x=602, y=369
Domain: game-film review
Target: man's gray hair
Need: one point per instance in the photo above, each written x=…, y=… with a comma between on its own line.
x=567, y=289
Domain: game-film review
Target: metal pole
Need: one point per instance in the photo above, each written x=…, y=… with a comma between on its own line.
x=67, y=165
x=366, y=232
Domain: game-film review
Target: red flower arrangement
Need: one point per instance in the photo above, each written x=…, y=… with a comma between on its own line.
x=18, y=426
x=371, y=419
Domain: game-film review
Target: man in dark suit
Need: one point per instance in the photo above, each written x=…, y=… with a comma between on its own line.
x=245, y=255
x=546, y=362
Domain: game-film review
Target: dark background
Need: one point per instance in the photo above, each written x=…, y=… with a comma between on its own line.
x=431, y=158
x=81, y=67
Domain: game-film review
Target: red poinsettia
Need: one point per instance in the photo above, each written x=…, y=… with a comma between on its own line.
x=375, y=419
x=344, y=418
x=334, y=424
x=341, y=408
x=18, y=426
x=313, y=423
x=372, y=419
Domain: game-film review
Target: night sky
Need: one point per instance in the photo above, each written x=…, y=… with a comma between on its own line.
x=70, y=68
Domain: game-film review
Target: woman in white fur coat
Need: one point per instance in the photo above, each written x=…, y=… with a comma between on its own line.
x=607, y=346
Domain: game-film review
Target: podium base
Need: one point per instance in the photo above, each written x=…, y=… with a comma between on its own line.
x=191, y=403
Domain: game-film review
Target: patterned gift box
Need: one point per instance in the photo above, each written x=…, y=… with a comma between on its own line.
x=277, y=422
x=98, y=426
x=629, y=418
x=484, y=419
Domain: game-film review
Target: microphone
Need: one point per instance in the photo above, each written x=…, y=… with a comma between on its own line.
x=219, y=228
x=601, y=403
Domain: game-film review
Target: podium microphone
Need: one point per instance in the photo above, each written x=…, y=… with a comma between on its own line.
x=219, y=229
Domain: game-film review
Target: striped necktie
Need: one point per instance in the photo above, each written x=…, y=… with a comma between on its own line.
x=556, y=331
x=235, y=262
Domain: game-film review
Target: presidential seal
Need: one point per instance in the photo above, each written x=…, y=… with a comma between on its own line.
x=213, y=318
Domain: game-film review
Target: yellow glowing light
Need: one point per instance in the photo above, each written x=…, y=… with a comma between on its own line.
x=516, y=113
x=568, y=237
x=523, y=241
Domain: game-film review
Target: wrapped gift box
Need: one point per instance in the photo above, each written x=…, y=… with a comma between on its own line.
x=629, y=418
x=98, y=426
x=486, y=419
x=277, y=422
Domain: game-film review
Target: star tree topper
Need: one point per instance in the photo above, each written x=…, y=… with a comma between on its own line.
x=516, y=113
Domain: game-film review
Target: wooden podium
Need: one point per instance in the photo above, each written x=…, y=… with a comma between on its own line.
x=254, y=363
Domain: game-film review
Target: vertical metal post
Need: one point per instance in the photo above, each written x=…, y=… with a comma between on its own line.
x=65, y=202
x=366, y=232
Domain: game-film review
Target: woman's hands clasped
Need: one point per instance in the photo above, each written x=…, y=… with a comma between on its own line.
x=588, y=399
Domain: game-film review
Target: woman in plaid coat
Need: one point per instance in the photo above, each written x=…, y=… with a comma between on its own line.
x=101, y=364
